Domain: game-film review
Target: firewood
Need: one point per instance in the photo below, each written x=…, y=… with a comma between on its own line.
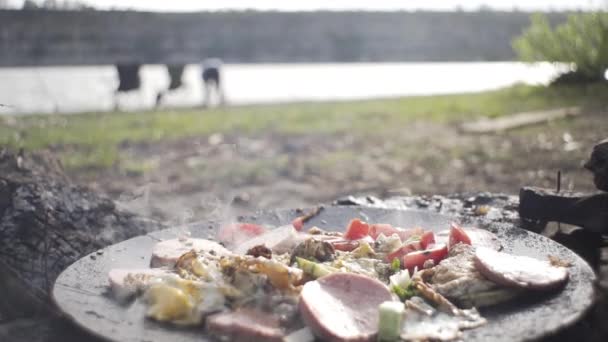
x=504, y=123
x=587, y=211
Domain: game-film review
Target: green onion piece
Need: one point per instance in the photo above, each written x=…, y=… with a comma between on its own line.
x=389, y=322
x=316, y=270
x=396, y=265
x=404, y=293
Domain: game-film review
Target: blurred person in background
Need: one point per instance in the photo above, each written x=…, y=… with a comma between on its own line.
x=212, y=81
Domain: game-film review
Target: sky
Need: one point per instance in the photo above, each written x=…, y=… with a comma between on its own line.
x=297, y=5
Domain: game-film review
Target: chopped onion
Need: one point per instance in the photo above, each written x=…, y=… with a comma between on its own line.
x=401, y=278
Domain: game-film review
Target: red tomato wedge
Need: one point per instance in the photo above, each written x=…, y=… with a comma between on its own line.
x=417, y=259
x=236, y=233
x=381, y=228
x=427, y=239
x=457, y=235
x=384, y=228
x=405, y=234
x=404, y=250
x=298, y=223
x=356, y=230
x=251, y=228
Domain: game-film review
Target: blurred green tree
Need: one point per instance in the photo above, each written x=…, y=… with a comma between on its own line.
x=582, y=41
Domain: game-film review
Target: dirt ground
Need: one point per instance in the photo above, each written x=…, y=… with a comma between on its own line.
x=186, y=179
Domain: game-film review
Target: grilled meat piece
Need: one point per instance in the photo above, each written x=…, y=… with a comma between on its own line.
x=458, y=279
x=313, y=249
x=260, y=251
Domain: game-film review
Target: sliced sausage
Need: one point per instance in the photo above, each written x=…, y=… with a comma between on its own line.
x=343, y=306
x=519, y=271
x=246, y=324
x=236, y=233
x=166, y=253
x=483, y=238
x=280, y=240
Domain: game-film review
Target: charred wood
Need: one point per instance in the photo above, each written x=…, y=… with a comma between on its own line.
x=47, y=223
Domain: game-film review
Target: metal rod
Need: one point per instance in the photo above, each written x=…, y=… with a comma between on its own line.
x=559, y=187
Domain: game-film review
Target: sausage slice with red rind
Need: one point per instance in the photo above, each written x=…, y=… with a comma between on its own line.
x=343, y=306
x=246, y=324
x=519, y=271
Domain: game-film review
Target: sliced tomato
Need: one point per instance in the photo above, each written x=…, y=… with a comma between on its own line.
x=404, y=250
x=236, y=233
x=251, y=228
x=345, y=245
x=384, y=228
x=298, y=223
x=418, y=258
x=405, y=234
x=381, y=228
x=427, y=239
x=458, y=235
x=356, y=230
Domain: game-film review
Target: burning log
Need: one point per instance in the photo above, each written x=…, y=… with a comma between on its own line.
x=46, y=224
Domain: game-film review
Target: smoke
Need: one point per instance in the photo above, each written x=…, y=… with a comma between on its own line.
x=191, y=208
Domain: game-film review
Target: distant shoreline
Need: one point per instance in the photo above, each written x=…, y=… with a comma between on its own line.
x=36, y=37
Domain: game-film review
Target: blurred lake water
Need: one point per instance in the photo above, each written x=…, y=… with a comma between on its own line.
x=91, y=88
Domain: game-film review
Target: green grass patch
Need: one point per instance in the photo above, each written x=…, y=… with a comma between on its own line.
x=241, y=172
x=95, y=137
x=90, y=157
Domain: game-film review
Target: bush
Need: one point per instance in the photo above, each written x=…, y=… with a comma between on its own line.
x=582, y=41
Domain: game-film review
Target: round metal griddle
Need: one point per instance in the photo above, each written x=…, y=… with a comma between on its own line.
x=81, y=290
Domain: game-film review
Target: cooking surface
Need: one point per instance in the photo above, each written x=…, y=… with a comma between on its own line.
x=80, y=291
